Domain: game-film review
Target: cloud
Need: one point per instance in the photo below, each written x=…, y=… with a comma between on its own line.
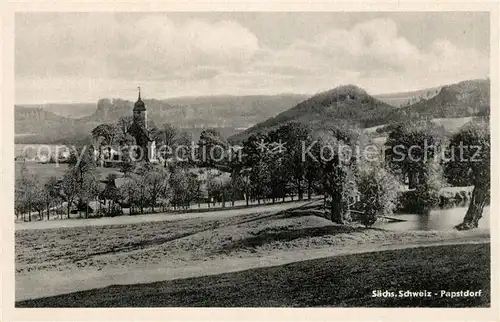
x=150, y=46
x=373, y=54
x=60, y=56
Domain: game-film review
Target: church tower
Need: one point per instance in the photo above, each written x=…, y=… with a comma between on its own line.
x=140, y=116
x=144, y=144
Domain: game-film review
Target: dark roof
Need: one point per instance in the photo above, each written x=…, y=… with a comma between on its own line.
x=139, y=105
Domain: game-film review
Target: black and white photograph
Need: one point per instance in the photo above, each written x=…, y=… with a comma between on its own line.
x=263, y=159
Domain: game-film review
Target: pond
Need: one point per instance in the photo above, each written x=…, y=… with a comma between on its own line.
x=437, y=219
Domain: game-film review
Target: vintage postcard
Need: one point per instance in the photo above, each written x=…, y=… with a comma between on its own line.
x=166, y=156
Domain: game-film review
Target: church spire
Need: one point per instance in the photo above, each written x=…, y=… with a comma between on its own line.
x=139, y=105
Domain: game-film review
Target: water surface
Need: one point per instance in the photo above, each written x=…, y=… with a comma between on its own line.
x=437, y=219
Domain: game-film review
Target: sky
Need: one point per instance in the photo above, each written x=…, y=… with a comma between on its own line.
x=82, y=57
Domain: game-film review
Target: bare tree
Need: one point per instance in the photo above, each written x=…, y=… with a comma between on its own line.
x=70, y=188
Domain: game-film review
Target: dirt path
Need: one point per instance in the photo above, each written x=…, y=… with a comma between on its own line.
x=48, y=283
x=124, y=220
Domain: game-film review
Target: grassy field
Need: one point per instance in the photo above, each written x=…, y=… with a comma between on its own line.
x=42, y=170
x=198, y=238
x=153, y=242
x=342, y=281
x=63, y=260
x=451, y=125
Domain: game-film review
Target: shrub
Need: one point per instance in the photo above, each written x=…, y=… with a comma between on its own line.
x=427, y=192
x=379, y=191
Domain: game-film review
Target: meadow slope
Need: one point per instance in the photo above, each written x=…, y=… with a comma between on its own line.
x=63, y=260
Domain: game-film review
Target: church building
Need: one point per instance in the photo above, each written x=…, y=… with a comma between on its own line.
x=139, y=130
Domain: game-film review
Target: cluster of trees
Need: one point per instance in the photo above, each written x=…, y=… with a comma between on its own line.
x=33, y=196
x=434, y=159
x=144, y=188
x=78, y=186
x=149, y=188
x=419, y=153
x=291, y=160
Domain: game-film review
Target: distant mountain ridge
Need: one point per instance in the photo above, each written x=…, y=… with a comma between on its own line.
x=38, y=124
x=200, y=112
x=351, y=104
x=230, y=113
x=69, y=110
x=403, y=99
x=81, y=110
x=467, y=98
x=34, y=119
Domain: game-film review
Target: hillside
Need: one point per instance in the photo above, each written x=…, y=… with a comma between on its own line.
x=354, y=105
x=201, y=112
x=31, y=119
x=464, y=99
x=347, y=103
x=230, y=114
x=237, y=111
x=70, y=110
x=233, y=114
x=35, y=125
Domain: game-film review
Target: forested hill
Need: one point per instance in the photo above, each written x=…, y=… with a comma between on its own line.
x=233, y=114
x=353, y=105
x=347, y=103
x=467, y=98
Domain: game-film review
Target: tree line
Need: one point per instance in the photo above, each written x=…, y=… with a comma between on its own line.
x=270, y=167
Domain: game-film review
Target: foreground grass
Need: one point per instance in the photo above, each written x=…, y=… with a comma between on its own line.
x=334, y=281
